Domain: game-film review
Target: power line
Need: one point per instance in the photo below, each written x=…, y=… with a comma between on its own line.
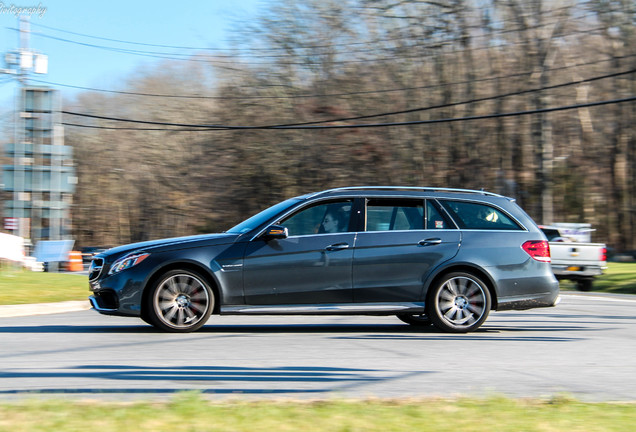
x=136, y=129
x=484, y=99
x=377, y=40
x=119, y=40
x=354, y=126
x=206, y=58
x=374, y=41
x=304, y=96
x=391, y=113
x=457, y=119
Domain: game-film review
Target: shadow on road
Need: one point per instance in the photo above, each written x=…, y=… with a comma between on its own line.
x=513, y=331
x=235, y=328
x=208, y=379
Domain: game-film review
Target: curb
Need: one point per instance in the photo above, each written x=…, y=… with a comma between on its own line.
x=11, y=311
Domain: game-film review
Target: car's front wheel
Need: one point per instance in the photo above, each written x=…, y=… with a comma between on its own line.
x=181, y=301
x=458, y=303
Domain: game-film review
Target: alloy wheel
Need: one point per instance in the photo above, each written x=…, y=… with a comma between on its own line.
x=182, y=302
x=461, y=303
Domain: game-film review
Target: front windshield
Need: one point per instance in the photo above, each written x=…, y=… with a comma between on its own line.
x=262, y=217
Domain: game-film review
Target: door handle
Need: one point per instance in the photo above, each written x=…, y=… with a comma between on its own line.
x=430, y=242
x=337, y=246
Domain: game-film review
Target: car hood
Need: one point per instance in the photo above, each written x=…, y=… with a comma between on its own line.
x=171, y=243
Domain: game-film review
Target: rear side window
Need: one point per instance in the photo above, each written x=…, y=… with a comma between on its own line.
x=470, y=215
x=395, y=215
x=434, y=219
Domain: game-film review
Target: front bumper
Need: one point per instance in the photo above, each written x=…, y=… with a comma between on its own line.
x=98, y=303
x=119, y=294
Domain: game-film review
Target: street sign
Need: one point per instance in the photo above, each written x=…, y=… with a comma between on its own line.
x=11, y=223
x=53, y=250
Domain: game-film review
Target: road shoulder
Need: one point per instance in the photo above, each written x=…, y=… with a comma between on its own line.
x=10, y=311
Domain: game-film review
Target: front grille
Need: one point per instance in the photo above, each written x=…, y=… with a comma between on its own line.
x=97, y=264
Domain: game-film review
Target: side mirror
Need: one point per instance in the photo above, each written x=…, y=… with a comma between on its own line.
x=275, y=232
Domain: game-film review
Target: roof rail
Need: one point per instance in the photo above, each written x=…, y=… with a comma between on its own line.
x=406, y=188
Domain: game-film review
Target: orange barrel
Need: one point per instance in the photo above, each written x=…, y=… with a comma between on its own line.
x=75, y=261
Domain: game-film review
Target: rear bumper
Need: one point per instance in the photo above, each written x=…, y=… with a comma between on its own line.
x=546, y=299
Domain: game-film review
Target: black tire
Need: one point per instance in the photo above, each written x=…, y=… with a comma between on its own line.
x=459, y=303
x=181, y=301
x=146, y=318
x=584, y=285
x=421, y=320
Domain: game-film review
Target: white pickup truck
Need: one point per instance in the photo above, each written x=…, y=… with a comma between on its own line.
x=575, y=260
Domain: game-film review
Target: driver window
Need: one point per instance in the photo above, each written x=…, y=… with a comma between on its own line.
x=324, y=218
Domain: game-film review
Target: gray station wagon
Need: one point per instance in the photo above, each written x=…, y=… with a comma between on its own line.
x=445, y=257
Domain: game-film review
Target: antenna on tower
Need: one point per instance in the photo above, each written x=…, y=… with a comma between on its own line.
x=23, y=61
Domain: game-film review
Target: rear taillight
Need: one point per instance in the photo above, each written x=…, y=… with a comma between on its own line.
x=538, y=249
x=603, y=254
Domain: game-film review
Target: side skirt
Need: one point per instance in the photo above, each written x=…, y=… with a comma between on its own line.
x=326, y=309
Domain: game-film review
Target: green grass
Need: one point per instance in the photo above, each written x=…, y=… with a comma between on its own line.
x=191, y=412
x=619, y=278
x=23, y=287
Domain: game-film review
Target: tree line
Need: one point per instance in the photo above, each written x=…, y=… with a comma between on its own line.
x=460, y=94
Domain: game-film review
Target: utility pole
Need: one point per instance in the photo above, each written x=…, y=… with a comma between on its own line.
x=42, y=177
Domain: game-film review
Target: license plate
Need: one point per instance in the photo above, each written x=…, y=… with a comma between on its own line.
x=574, y=268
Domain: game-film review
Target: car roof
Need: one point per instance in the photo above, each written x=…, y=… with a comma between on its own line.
x=403, y=191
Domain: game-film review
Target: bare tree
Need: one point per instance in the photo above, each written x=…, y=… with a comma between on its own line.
x=432, y=64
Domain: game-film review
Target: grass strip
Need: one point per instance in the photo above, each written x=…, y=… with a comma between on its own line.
x=192, y=412
x=24, y=287
x=619, y=278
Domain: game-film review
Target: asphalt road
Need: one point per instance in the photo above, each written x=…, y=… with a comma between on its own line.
x=585, y=347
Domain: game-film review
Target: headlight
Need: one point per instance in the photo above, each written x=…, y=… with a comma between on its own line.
x=127, y=262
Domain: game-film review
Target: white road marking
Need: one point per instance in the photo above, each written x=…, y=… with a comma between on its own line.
x=598, y=298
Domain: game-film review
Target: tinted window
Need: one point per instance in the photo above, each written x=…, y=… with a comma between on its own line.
x=551, y=233
x=393, y=215
x=434, y=219
x=469, y=215
x=323, y=218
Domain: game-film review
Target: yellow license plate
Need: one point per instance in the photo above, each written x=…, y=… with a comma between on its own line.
x=573, y=268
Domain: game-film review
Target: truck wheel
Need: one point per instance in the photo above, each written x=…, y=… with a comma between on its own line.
x=584, y=285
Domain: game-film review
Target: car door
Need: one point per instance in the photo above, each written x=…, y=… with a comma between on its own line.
x=404, y=239
x=311, y=266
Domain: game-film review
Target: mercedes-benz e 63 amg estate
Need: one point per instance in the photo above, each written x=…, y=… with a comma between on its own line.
x=445, y=257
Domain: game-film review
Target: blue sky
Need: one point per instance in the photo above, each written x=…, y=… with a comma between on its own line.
x=159, y=22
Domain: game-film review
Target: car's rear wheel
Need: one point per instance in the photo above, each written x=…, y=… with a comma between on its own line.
x=459, y=303
x=181, y=301
x=420, y=320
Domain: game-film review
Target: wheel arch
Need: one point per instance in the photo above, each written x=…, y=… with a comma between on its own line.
x=466, y=268
x=183, y=265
